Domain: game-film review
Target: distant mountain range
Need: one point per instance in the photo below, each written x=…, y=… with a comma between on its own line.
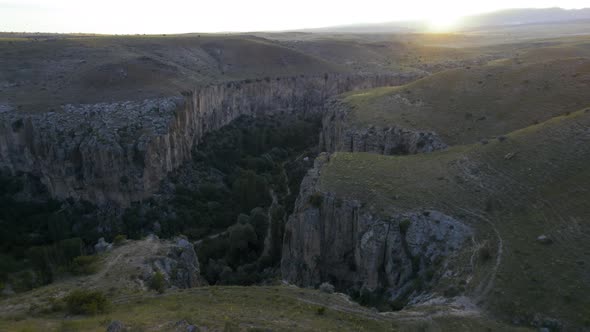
x=494, y=19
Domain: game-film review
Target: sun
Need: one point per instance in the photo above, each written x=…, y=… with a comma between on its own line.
x=443, y=23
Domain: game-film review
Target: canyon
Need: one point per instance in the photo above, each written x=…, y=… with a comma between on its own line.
x=119, y=152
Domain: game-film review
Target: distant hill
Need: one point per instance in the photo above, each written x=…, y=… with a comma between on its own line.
x=493, y=19
x=526, y=16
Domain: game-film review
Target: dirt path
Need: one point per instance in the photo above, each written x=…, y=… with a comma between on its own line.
x=486, y=286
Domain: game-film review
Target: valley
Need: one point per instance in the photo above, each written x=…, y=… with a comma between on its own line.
x=297, y=181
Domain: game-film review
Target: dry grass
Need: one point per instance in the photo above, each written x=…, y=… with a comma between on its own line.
x=541, y=190
x=469, y=104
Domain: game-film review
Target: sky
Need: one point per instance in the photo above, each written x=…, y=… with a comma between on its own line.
x=183, y=16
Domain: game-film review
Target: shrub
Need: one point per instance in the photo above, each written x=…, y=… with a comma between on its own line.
x=84, y=265
x=485, y=252
x=404, y=225
x=119, y=239
x=321, y=311
x=158, y=283
x=242, y=244
x=86, y=302
x=316, y=200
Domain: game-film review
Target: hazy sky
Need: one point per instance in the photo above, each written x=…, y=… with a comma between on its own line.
x=178, y=16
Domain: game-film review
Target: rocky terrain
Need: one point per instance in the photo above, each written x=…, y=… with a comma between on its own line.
x=120, y=152
x=341, y=241
x=338, y=134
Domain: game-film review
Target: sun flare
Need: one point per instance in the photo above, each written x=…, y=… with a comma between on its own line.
x=443, y=23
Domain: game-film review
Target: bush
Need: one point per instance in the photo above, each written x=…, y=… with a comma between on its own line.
x=404, y=225
x=485, y=252
x=84, y=265
x=243, y=243
x=316, y=200
x=158, y=283
x=119, y=240
x=321, y=311
x=86, y=302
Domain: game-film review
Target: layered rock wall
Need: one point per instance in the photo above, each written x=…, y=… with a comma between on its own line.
x=340, y=133
x=338, y=240
x=119, y=152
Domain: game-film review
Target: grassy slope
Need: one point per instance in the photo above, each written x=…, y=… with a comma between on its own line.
x=542, y=190
x=468, y=104
x=248, y=308
x=52, y=70
x=231, y=308
x=383, y=53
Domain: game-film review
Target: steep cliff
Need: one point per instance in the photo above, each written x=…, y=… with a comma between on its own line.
x=120, y=152
x=340, y=133
x=341, y=241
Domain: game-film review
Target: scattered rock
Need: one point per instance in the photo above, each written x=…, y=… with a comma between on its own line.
x=502, y=138
x=116, y=326
x=102, y=246
x=7, y=290
x=510, y=155
x=544, y=239
x=185, y=326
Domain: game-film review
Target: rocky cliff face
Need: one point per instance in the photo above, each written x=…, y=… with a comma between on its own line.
x=119, y=152
x=337, y=240
x=339, y=133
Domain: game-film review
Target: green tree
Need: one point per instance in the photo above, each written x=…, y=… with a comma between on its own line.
x=243, y=244
x=158, y=282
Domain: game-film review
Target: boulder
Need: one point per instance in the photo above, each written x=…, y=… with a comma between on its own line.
x=102, y=246
x=178, y=263
x=116, y=326
x=544, y=239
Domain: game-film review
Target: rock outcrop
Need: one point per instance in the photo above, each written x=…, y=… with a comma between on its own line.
x=178, y=263
x=337, y=240
x=119, y=152
x=340, y=133
x=102, y=246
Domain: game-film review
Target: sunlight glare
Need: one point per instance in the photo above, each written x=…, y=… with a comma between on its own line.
x=443, y=23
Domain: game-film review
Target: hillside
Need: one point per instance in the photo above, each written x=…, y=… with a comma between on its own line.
x=468, y=104
x=494, y=153
x=512, y=190
x=44, y=71
x=218, y=308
